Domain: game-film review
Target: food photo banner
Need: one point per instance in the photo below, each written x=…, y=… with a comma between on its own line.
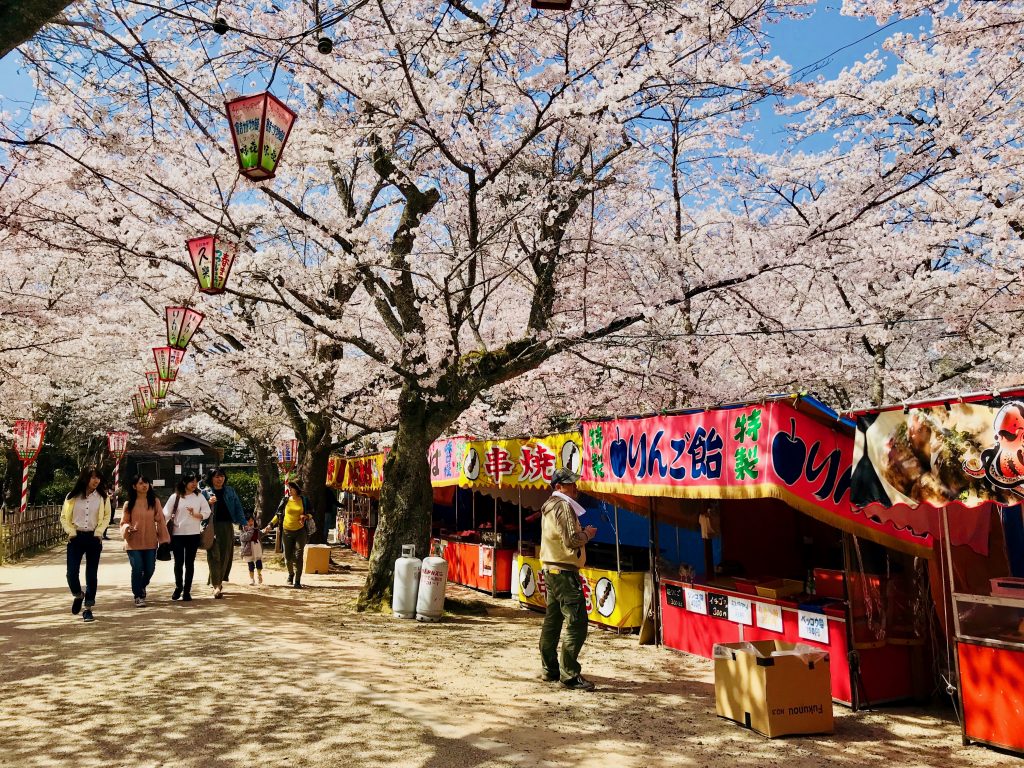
x=971, y=453
x=766, y=450
x=519, y=463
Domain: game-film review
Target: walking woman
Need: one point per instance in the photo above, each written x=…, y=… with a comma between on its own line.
x=296, y=509
x=184, y=513
x=86, y=513
x=227, y=513
x=143, y=528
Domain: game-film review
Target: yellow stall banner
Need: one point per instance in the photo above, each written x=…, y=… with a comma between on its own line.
x=364, y=475
x=520, y=463
x=613, y=599
x=336, y=473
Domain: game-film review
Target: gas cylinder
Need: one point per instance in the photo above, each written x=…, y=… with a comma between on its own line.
x=407, y=580
x=433, y=579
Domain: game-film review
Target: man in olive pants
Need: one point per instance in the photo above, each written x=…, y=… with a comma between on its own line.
x=563, y=553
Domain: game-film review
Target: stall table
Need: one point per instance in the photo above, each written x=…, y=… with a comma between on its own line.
x=362, y=539
x=697, y=616
x=479, y=566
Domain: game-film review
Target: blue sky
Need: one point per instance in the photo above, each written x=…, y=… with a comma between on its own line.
x=800, y=42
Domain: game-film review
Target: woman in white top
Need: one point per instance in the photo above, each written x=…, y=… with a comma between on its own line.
x=85, y=515
x=185, y=511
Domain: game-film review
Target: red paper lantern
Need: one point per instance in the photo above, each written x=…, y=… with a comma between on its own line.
x=28, y=439
x=157, y=385
x=260, y=126
x=211, y=261
x=139, y=408
x=168, y=360
x=117, y=444
x=183, y=322
x=147, y=398
x=287, y=455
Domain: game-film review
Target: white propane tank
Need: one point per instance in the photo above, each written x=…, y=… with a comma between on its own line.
x=433, y=579
x=407, y=581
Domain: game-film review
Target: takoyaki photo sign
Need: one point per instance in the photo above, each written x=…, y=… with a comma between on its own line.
x=969, y=453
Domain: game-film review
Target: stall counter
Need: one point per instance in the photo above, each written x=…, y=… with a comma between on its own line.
x=694, y=617
x=476, y=565
x=614, y=599
x=362, y=539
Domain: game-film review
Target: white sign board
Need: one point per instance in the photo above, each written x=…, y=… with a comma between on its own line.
x=158, y=482
x=769, y=617
x=740, y=611
x=696, y=601
x=813, y=626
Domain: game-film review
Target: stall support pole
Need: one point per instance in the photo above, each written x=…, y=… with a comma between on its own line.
x=853, y=657
x=473, y=509
x=494, y=552
x=951, y=610
x=520, y=505
x=653, y=554
x=618, y=556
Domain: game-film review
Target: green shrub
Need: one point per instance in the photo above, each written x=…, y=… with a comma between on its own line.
x=56, y=490
x=245, y=484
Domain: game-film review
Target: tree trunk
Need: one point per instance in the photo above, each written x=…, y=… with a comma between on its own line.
x=12, y=481
x=313, y=476
x=20, y=20
x=406, y=502
x=271, y=491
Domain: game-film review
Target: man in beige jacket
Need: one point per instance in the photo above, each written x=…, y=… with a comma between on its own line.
x=563, y=553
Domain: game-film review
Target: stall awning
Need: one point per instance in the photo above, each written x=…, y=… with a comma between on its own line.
x=790, y=448
x=523, y=462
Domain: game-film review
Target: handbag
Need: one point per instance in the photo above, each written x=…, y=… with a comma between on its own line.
x=207, y=536
x=163, y=551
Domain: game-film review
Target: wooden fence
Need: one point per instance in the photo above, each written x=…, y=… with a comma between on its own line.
x=38, y=529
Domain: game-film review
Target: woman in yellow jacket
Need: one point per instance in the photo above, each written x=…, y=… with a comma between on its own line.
x=296, y=508
x=85, y=515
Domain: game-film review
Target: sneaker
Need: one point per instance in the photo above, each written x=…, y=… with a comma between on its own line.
x=549, y=678
x=291, y=577
x=186, y=598
x=260, y=576
x=87, y=615
x=76, y=604
x=297, y=584
x=177, y=594
x=140, y=602
x=252, y=582
x=219, y=593
x=578, y=683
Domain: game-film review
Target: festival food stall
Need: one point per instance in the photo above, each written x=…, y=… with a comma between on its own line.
x=335, y=483
x=364, y=476
x=498, y=478
x=954, y=470
x=778, y=473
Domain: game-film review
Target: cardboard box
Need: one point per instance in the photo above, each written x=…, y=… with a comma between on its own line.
x=779, y=588
x=318, y=558
x=773, y=694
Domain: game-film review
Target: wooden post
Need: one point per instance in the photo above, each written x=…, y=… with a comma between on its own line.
x=653, y=555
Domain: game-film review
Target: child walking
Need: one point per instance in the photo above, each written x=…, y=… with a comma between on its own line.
x=252, y=550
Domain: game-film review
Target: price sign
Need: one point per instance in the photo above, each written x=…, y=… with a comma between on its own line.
x=740, y=611
x=697, y=601
x=769, y=617
x=813, y=626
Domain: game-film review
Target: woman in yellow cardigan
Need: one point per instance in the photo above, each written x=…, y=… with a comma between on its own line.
x=85, y=515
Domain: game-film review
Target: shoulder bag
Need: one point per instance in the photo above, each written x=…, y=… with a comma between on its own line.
x=207, y=535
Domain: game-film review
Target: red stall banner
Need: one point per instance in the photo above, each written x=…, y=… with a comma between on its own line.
x=445, y=457
x=364, y=475
x=771, y=449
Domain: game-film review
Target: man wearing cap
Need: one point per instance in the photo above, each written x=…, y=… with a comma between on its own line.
x=563, y=552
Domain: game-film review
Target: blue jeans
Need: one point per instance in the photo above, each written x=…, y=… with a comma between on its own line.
x=143, y=564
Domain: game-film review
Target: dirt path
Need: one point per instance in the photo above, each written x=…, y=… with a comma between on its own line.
x=273, y=676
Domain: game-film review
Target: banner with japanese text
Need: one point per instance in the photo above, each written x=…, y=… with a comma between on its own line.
x=336, y=473
x=364, y=474
x=612, y=598
x=764, y=450
x=519, y=463
x=445, y=457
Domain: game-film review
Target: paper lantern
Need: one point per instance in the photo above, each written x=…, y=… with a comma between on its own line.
x=157, y=385
x=168, y=360
x=139, y=408
x=148, y=401
x=287, y=454
x=260, y=126
x=211, y=261
x=28, y=439
x=182, y=323
x=117, y=444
